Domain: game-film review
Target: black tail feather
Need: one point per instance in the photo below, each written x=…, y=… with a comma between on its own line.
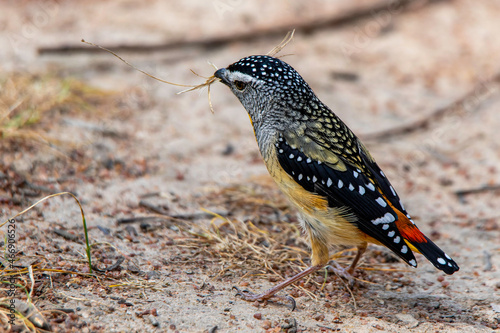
x=436, y=256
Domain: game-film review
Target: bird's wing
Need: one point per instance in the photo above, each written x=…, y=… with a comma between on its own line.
x=353, y=183
x=346, y=188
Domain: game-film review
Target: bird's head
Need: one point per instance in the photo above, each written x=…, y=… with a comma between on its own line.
x=267, y=87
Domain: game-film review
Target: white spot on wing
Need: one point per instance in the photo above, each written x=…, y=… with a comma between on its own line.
x=340, y=184
x=413, y=263
x=361, y=190
x=314, y=179
x=391, y=233
x=381, y=202
x=397, y=239
x=329, y=182
x=299, y=158
x=291, y=156
x=392, y=190
x=404, y=249
x=441, y=261
x=300, y=177
x=370, y=187
x=385, y=226
x=355, y=174
x=387, y=218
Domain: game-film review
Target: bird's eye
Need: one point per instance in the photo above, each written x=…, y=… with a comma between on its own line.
x=240, y=85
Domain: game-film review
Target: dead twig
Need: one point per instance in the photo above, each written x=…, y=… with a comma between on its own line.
x=163, y=210
x=482, y=189
x=170, y=217
x=66, y=235
x=334, y=329
x=110, y=268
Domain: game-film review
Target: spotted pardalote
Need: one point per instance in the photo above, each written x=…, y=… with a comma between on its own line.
x=341, y=193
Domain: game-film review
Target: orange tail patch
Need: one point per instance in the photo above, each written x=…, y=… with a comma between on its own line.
x=407, y=229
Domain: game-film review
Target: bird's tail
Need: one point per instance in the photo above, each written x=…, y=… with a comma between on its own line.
x=420, y=243
x=435, y=255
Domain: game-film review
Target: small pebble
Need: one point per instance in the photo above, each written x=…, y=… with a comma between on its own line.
x=257, y=316
x=319, y=317
x=153, y=321
x=408, y=319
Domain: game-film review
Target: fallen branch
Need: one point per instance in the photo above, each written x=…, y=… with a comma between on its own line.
x=271, y=33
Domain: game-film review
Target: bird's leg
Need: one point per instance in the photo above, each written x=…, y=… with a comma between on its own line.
x=361, y=251
x=319, y=257
x=348, y=273
x=270, y=293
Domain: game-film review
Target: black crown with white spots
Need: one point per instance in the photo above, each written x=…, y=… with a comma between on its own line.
x=276, y=73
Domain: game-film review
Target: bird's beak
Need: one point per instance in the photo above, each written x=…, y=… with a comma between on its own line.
x=222, y=75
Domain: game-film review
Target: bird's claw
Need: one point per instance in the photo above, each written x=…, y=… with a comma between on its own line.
x=292, y=301
x=343, y=273
x=240, y=292
x=249, y=296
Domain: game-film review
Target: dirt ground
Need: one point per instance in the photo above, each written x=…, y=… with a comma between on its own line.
x=177, y=200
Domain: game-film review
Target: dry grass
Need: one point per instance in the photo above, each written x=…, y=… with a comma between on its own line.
x=29, y=104
x=254, y=242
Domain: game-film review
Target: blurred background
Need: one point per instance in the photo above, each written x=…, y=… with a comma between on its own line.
x=416, y=80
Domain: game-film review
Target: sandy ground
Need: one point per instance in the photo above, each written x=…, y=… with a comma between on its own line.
x=388, y=69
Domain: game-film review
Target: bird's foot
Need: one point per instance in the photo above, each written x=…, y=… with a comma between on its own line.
x=344, y=273
x=249, y=296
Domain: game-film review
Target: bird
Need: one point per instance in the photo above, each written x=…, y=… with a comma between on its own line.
x=328, y=174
